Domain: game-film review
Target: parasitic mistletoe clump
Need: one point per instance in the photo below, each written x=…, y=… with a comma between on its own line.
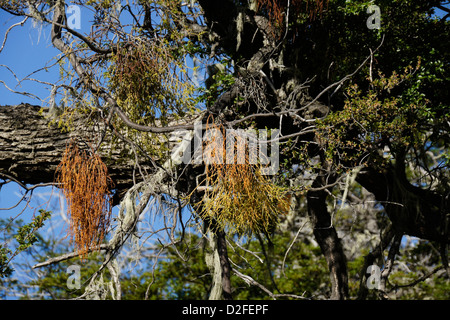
x=87, y=186
x=238, y=195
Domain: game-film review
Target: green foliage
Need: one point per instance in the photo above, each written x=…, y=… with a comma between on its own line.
x=182, y=274
x=149, y=82
x=5, y=269
x=102, y=3
x=188, y=278
x=353, y=7
x=25, y=236
x=52, y=284
x=220, y=80
x=302, y=271
x=242, y=199
x=371, y=119
x=401, y=107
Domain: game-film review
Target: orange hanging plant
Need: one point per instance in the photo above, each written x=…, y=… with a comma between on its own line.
x=237, y=195
x=276, y=9
x=86, y=184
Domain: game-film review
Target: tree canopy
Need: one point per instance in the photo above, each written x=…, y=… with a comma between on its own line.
x=286, y=147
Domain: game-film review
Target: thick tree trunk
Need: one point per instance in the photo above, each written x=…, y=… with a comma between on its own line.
x=328, y=239
x=413, y=211
x=31, y=148
x=218, y=262
x=225, y=264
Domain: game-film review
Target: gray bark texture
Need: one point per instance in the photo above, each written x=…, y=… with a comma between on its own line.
x=31, y=147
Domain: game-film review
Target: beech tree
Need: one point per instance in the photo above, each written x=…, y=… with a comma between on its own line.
x=349, y=99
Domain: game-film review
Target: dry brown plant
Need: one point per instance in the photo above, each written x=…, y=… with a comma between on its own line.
x=277, y=9
x=86, y=185
x=238, y=196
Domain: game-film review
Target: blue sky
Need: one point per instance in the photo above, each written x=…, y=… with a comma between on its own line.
x=27, y=49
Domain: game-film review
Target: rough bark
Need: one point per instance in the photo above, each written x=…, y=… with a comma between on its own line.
x=327, y=238
x=218, y=262
x=31, y=147
x=225, y=265
x=413, y=211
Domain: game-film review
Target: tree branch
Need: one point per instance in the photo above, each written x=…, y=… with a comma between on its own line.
x=67, y=256
x=328, y=239
x=32, y=147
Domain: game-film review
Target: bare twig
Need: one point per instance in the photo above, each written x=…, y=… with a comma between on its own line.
x=417, y=281
x=389, y=264
x=66, y=256
x=21, y=23
x=250, y=281
x=290, y=246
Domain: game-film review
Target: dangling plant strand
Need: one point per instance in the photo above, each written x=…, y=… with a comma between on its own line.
x=238, y=196
x=86, y=185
